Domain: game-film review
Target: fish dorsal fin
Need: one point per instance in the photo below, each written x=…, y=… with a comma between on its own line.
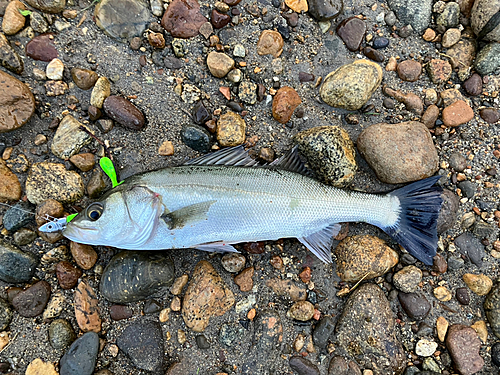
x=292, y=162
x=233, y=156
x=320, y=243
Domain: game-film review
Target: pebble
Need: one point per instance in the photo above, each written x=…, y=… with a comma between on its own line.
x=69, y=138
x=84, y=162
x=55, y=69
x=412, y=102
x=55, y=306
x=297, y=5
x=51, y=6
x=122, y=19
x=303, y=366
x=244, y=279
x=441, y=328
x=451, y=37
x=380, y=42
x=101, y=90
x=488, y=59
x=479, y=284
x=96, y=184
x=351, y=85
x=374, y=54
x=17, y=216
x=468, y=188
x=84, y=255
x=124, y=112
x=481, y=330
x=55, y=88
x=407, y=279
x=17, y=103
x=462, y=296
x=9, y=58
x=457, y=161
x=143, y=343
x=202, y=342
x=482, y=12
x=495, y=354
x=415, y=305
x=429, y=35
x=448, y=214
x=219, y=19
x=183, y=18
x=61, y=334
x=24, y=236
x=287, y=288
x=86, y=308
x=430, y=116
x=119, y=312
x=38, y=23
x=352, y=31
x=178, y=284
x=85, y=79
x=492, y=309
x=10, y=187
x=339, y=366
x=490, y=115
x=200, y=113
x=270, y=43
x=449, y=17
x=368, y=313
x=285, y=102
x=416, y=156
x=418, y=15
x=5, y=314
x=231, y=129
x=39, y=367
x=471, y=247
x=219, y=64
x=166, y=149
x=363, y=257
x=207, y=295
x=233, y=262
x=323, y=331
x=196, y=137
x=442, y=293
x=409, y=70
x=464, y=346
x=323, y=10
x=13, y=21
x=301, y=310
x=67, y=275
x=156, y=40
x=231, y=334
x=425, y=347
x=42, y=48
x=247, y=92
x=32, y=301
x=16, y=266
x=81, y=357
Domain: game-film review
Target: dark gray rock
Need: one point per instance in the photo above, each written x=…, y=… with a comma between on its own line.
x=15, y=266
x=32, y=301
x=492, y=309
x=488, y=59
x=414, y=305
x=323, y=10
x=483, y=230
x=202, y=342
x=196, y=137
x=339, y=366
x=132, y=276
x=416, y=13
x=323, y=331
x=5, y=314
x=61, y=334
x=495, y=354
x=231, y=333
x=448, y=214
x=468, y=188
x=18, y=216
x=81, y=357
x=471, y=247
x=142, y=342
x=303, y=366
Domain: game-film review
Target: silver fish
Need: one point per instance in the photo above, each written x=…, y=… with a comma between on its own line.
x=224, y=198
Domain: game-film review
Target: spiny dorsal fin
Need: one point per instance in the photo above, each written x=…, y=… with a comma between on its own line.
x=233, y=156
x=292, y=162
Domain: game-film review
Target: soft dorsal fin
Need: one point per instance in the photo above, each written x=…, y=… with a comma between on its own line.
x=320, y=243
x=292, y=162
x=233, y=156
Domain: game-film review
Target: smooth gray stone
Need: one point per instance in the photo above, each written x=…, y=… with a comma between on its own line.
x=81, y=357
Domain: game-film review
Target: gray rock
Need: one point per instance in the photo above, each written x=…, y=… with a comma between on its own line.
x=132, y=276
x=471, y=247
x=481, y=15
x=323, y=331
x=5, y=314
x=416, y=13
x=323, y=10
x=407, y=279
x=15, y=265
x=399, y=153
x=231, y=334
x=196, y=137
x=48, y=6
x=488, y=59
x=142, y=342
x=330, y=153
x=368, y=313
x=415, y=306
x=458, y=162
x=303, y=366
x=69, y=138
x=24, y=236
x=38, y=23
x=9, y=58
x=448, y=214
x=492, y=309
x=32, y=301
x=450, y=15
x=61, y=334
x=468, y=188
x=18, y=216
x=81, y=357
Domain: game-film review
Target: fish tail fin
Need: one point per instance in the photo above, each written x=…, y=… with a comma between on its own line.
x=416, y=227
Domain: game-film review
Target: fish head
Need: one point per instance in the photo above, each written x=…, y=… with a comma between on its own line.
x=126, y=218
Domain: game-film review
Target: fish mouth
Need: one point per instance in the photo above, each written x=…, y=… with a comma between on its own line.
x=86, y=236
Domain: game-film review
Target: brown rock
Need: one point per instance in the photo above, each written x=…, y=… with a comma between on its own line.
x=84, y=255
x=10, y=58
x=301, y=310
x=86, y=309
x=42, y=48
x=462, y=55
x=119, y=312
x=363, y=257
x=285, y=102
x=84, y=78
x=474, y=85
x=32, y=301
x=430, y=116
x=429, y=35
x=219, y=64
x=352, y=31
x=166, y=149
x=464, y=345
x=409, y=70
x=67, y=274
x=17, y=103
x=50, y=208
x=270, y=43
x=84, y=162
x=287, y=288
x=206, y=295
x=297, y=5
x=10, y=187
x=219, y=19
x=439, y=71
x=244, y=279
x=178, y=284
x=231, y=129
x=457, y=114
x=490, y=115
x=411, y=101
x=183, y=18
x=39, y=367
x=13, y=21
x=156, y=40
x=124, y=112
x=479, y=284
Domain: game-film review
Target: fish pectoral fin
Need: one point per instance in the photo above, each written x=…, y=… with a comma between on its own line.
x=187, y=215
x=217, y=247
x=320, y=243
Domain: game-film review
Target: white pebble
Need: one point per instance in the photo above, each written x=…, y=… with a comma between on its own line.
x=425, y=348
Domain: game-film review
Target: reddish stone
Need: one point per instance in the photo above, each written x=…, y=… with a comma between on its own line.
x=124, y=112
x=464, y=346
x=254, y=247
x=244, y=279
x=305, y=275
x=457, y=114
x=119, y=312
x=86, y=308
x=285, y=102
x=67, y=274
x=409, y=70
x=219, y=20
x=352, y=31
x=42, y=48
x=183, y=18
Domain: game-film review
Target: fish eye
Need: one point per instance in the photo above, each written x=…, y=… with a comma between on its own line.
x=94, y=211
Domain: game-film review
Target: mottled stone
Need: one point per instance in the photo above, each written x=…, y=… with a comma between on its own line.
x=488, y=59
x=244, y=279
x=39, y=367
x=247, y=92
x=9, y=58
x=287, y=288
x=492, y=309
x=84, y=78
x=67, y=274
x=439, y=71
x=16, y=266
x=183, y=18
x=69, y=138
x=482, y=13
x=324, y=10
x=270, y=43
x=479, y=284
x=409, y=70
x=32, y=301
x=451, y=37
x=301, y=310
x=462, y=55
x=196, y=137
x=449, y=17
x=122, y=19
x=464, y=346
x=61, y=334
x=231, y=129
x=339, y=366
x=285, y=102
x=17, y=103
x=417, y=14
x=407, y=279
x=86, y=308
x=10, y=187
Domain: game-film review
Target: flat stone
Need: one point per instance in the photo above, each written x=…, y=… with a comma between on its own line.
x=42, y=48
x=450, y=15
x=430, y=116
x=219, y=19
x=352, y=30
x=303, y=366
x=13, y=21
x=18, y=216
x=219, y=64
x=10, y=187
x=16, y=266
x=464, y=346
x=123, y=112
x=285, y=102
x=416, y=157
x=206, y=296
x=351, y=85
x=479, y=284
x=231, y=129
x=339, y=366
x=119, y=312
x=488, y=59
x=418, y=15
x=481, y=15
x=17, y=103
x=122, y=19
x=324, y=10
x=322, y=332
x=448, y=214
x=86, y=308
x=462, y=55
x=409, y=70
x=69, y=138
x=330, y=152
x=81, y=357
x=48, y=6
x=9, y=58
x=38, y=23
x=84, y=255
x=183, y=18
x=244, y=279
x=270, y=43
x=363, y=257
x=425, y=347
x=368, y=313
x=415, y=305
x=32, y=301
x=439, y=71
x=287, y=288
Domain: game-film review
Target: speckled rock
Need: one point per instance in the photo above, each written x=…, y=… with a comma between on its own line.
x=439, y=71
x=233, y=262
x=287, y=288
x=17, y=103
x=418, y=15
x=219, y=64
x=492, y=309
x=81, y=357
x=86, y=308
x=301, y=310
x=464, y=345
x=196, y=137
x=52, y=181
x=183, y=18
x=488, y=59
x=231, y=129
x=482, y=12
x=10, y=187
x=451, y=37
x=61, y=334
x=206, y=295
x=9, y=58
x=363, y=257
x=69, y=138
x=449, y=17
x=368, y=313
x=136, y=275
x=330, y=153
x=122, y=19
x=270, y=43
x=285, y=102
x=5, y=314
x=399, y=153
x=351, y=85
x=52, y=6
x=448, y=214
x=462, y=56
x=325, y=10
x=407, y=279
x=16, y=266
x=479, y=284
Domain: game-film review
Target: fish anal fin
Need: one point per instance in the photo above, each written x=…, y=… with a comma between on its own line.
x=187, y=215
x=233, y=156
x=320, y=243
x=217, y=247
x=292, y=162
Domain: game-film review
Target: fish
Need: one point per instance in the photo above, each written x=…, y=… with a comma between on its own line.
x=224, y=198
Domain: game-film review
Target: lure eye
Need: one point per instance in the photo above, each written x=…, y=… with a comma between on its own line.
x=94, y=211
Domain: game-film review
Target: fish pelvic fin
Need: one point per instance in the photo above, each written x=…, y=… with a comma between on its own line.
x=187, y=215
x=416, y=227
x=320, y=243
x=217, y=247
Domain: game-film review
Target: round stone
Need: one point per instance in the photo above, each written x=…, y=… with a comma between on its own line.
x=301, y=310
x=233, y=262
x=196, y=137
x=231, y=129
x=219, y=64
x=270, y=43
x=457, y=114
x=84, y=78
x=17, y=103
x=409, y=70
x=61, y=334
x=407, y=279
